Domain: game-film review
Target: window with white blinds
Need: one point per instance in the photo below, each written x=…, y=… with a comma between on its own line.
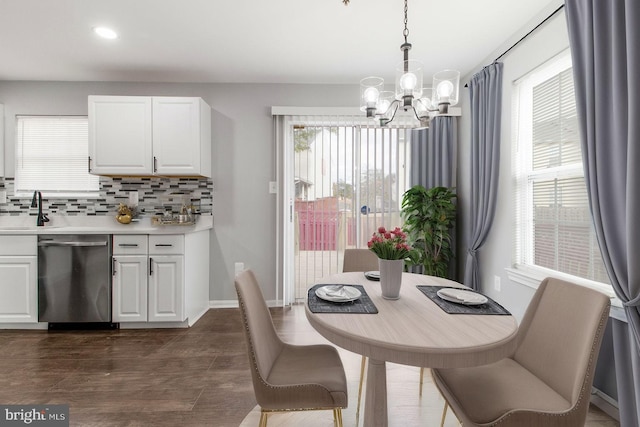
x=554, y=229
x=51, y=157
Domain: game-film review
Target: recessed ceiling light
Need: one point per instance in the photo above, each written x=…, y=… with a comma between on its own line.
x=106, y=33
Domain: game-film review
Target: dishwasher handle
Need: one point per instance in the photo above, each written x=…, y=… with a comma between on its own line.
x=72, y=243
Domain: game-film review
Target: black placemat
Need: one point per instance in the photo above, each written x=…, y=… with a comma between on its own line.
x=490, y=307
x=361, y=305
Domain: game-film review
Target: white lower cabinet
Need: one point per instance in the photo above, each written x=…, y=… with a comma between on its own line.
x=166, y=278
x=130, y=272
x=130, y=288
x=166, y=288
x=149, y=278
x=19, y=284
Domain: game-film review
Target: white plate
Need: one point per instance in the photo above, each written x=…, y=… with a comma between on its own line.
x=338, y=293
x=372, y=275
x=461, y=296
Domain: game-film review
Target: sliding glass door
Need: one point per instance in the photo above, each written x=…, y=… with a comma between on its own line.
x=344, y=179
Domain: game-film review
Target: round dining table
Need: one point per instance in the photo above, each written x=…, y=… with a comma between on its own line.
x=411, y=330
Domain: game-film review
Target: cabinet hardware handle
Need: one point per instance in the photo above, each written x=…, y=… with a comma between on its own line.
x=128, y=245
x=150, y=266
x=70, y=244
x=89, y=164
x=155, y=164
x=159, y=245
x=113, y=266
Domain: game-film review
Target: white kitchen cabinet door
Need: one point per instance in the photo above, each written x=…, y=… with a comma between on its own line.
x=166, y=288
x=129, y=288
x=18, y=289
x=120, y=135
x=181, y=136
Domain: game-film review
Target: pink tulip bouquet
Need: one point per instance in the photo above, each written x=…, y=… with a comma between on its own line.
x=390, y=244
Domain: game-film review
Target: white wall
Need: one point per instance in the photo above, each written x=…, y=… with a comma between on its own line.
x=243, y=156
x=496, y=254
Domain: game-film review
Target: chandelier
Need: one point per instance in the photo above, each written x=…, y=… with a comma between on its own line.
x=409, y=93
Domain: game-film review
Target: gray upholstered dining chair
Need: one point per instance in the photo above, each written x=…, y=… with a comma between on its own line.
x=287, y=377
x=547, y=381
x=358, y=259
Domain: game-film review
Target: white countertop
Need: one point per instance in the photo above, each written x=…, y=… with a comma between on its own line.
x=62, y=224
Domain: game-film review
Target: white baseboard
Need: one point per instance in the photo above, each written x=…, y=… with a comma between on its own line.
x=153, y=325
x=194, y=318
x=233, y=303
x=229, y=303
x=35, y=326
x=606, y=403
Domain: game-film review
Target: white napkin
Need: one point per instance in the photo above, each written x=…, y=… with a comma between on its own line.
x=337, y=291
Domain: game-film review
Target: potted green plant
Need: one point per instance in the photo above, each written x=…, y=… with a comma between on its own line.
x=428, y=217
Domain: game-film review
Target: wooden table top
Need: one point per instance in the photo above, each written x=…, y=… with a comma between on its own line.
x=413, y=330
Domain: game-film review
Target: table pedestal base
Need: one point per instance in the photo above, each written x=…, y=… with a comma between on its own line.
x=375, y=408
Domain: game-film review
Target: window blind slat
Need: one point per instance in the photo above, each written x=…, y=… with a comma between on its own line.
x=51, y=155
x=555, y=227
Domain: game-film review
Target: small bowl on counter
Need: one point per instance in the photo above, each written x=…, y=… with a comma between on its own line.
x=173, y=220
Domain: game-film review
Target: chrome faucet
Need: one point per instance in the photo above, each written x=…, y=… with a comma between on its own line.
x=42, y=218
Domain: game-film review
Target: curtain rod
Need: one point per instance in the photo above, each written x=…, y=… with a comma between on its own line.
x=530, y=32
x=526, y=35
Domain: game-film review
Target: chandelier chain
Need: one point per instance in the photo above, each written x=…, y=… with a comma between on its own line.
x=406, y=30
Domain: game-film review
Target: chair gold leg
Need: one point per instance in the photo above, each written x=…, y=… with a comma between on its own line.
x=362, y=365
x=337, y=417
x=421, y=380
x=444, y=413
x=263, y=419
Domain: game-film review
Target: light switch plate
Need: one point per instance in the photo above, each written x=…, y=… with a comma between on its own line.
x=273, y=187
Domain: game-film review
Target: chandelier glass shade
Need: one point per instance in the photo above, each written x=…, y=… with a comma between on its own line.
x=410, y=94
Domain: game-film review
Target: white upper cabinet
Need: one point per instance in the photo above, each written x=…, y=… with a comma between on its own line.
x=144, y=136
x=120, y=135
x=181, y=136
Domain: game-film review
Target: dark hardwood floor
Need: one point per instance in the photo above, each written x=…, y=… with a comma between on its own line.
x=153, y=377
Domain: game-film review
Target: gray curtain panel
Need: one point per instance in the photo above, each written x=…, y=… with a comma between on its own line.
x=485, y=91
x=604, y=39
x=433, y=153
x=433, y=163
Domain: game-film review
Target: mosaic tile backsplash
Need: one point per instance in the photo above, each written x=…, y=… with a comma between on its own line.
x=155, y=196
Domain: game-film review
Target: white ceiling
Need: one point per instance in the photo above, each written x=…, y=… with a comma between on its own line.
x=257, y=41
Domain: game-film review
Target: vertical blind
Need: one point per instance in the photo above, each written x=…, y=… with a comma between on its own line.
x=349, y=176
x=51, y=156
x=554, y=227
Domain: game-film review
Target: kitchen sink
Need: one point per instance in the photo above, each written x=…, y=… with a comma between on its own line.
x=25, y=227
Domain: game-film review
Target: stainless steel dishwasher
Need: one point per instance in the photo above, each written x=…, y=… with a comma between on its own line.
x=74, y=278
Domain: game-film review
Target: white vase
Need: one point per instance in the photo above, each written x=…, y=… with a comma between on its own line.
x=390, y=277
